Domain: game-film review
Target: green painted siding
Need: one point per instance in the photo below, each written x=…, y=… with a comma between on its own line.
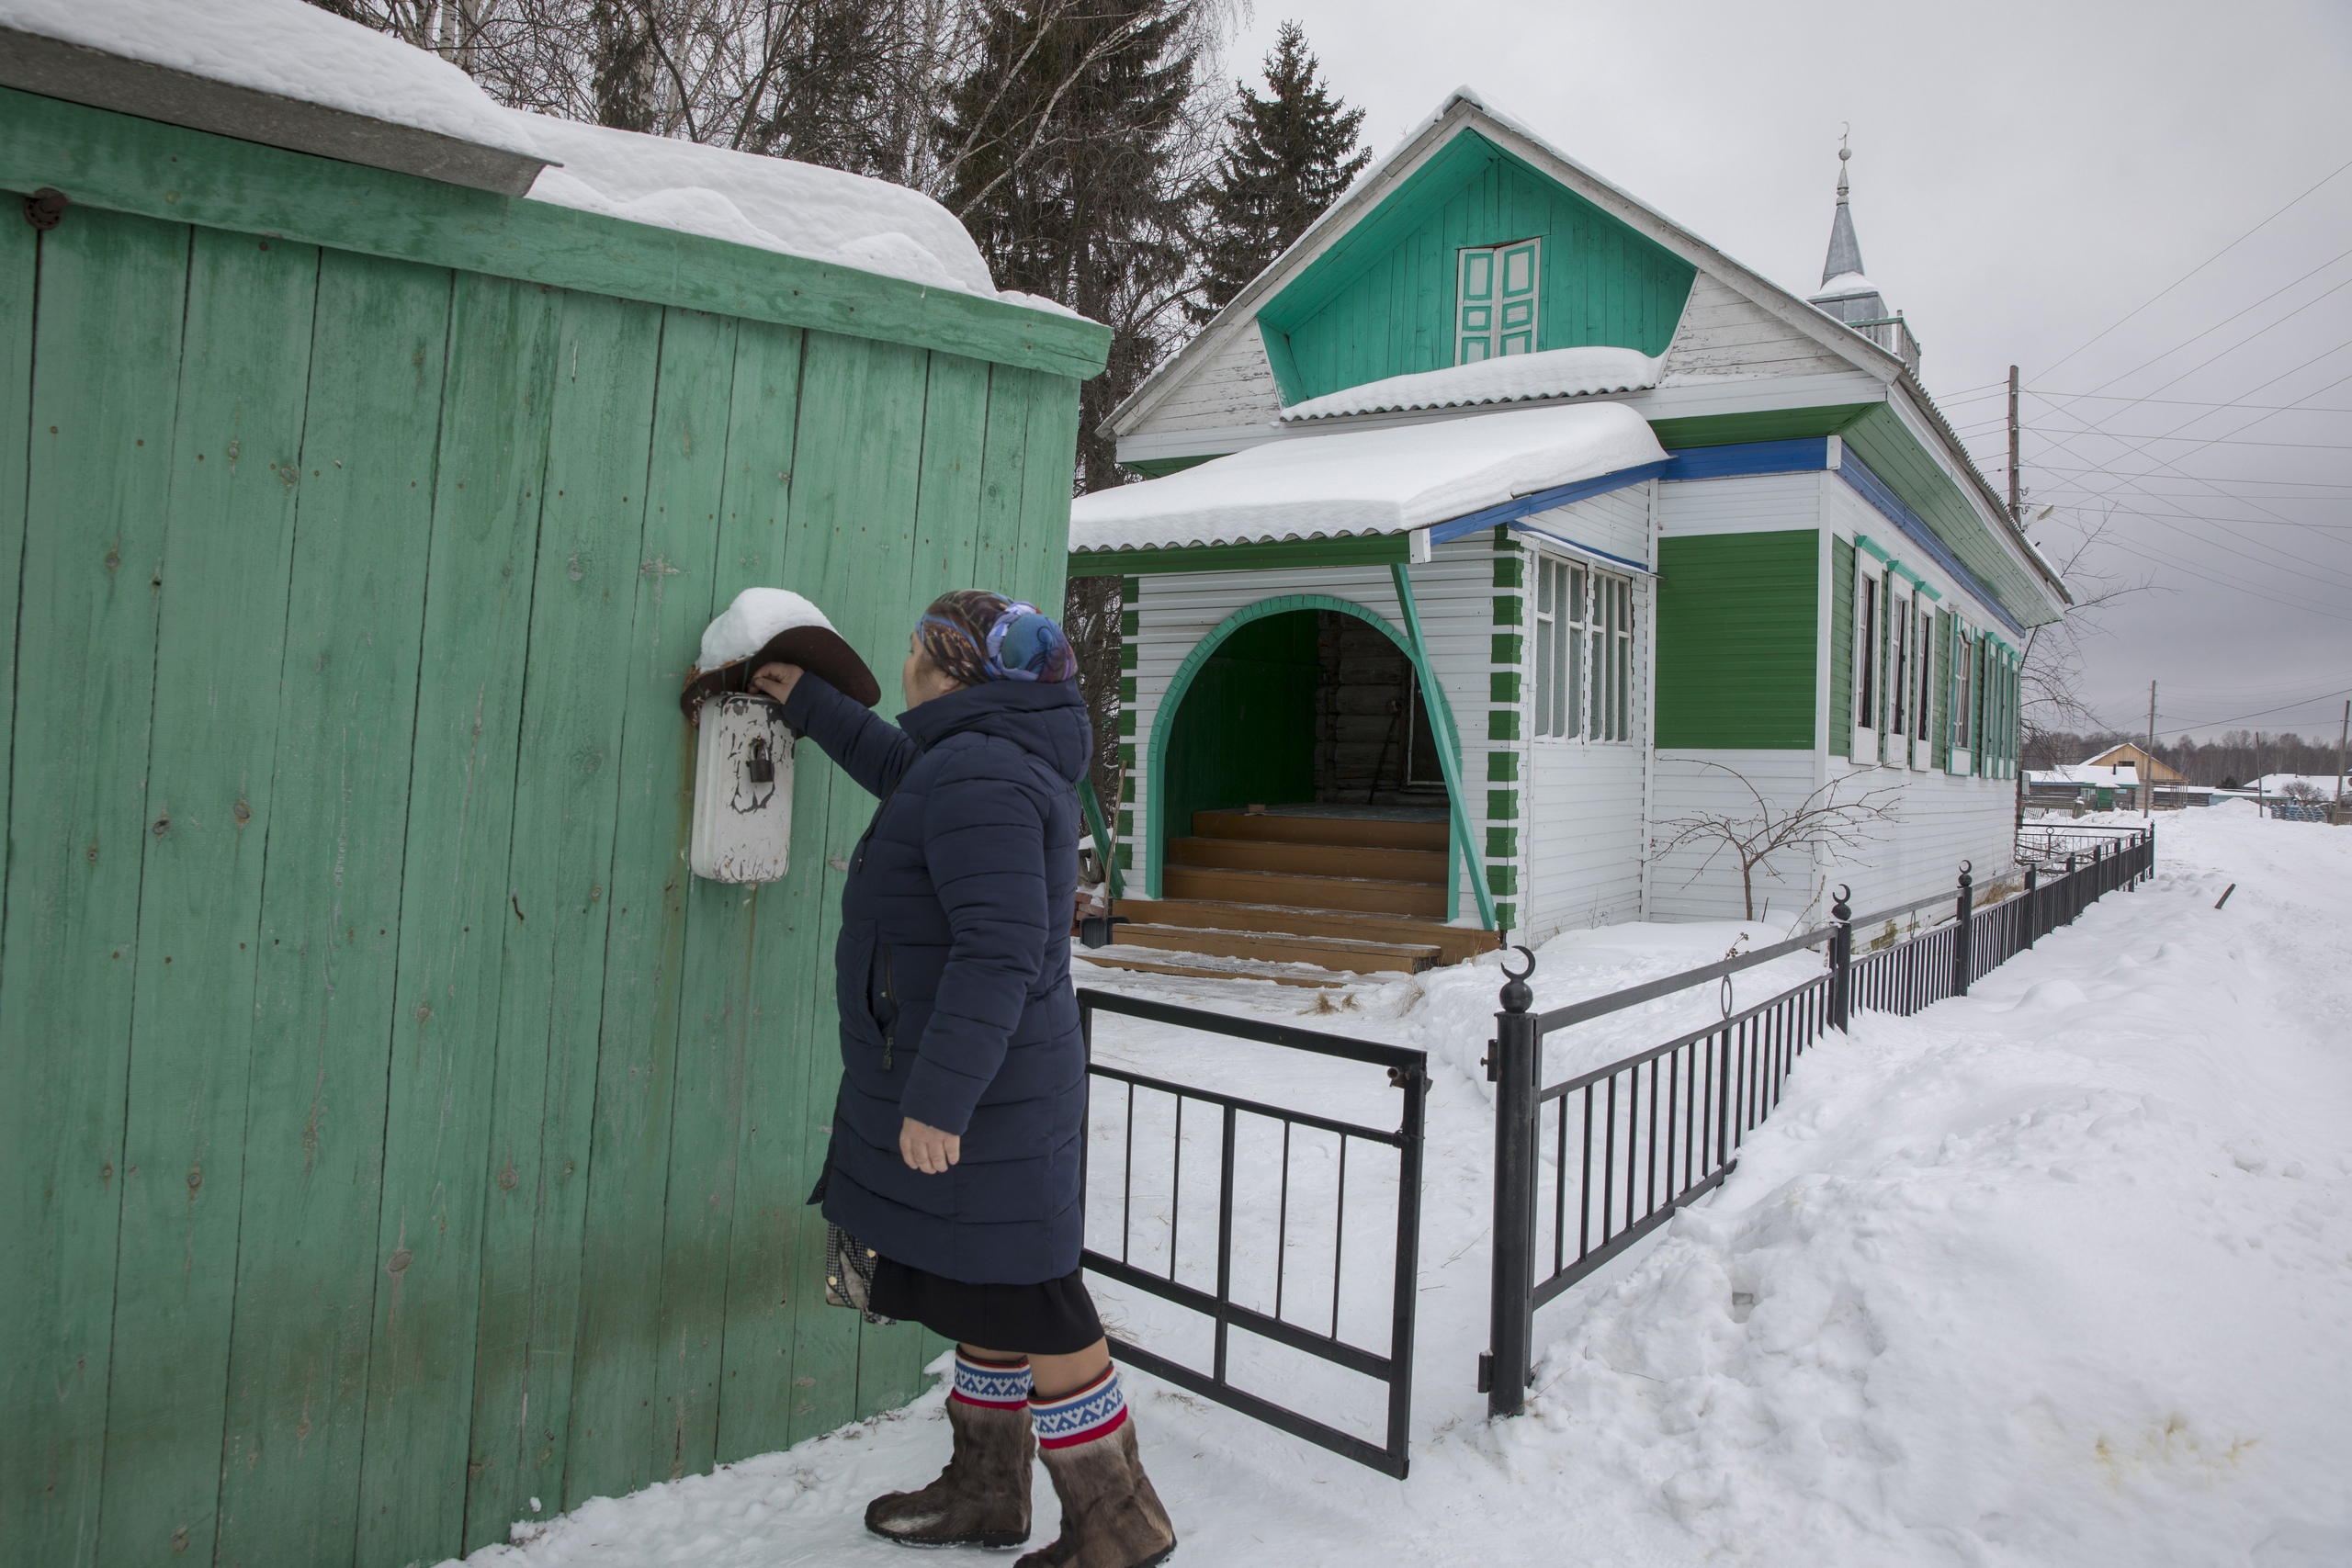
x=390, y=1131
x=1382, y=302
x=1939, y=694
x=1767, y=425
x=1735, y=630
x=1841, y=648
x=1285, y=554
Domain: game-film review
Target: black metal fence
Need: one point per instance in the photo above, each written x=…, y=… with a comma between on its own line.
x=1632, y=1142
x=1252, y=1295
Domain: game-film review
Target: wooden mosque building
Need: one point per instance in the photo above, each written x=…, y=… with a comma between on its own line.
x=1501, y=527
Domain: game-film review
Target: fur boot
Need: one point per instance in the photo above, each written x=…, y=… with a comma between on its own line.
x=1110, y=1517
x=982, y=1498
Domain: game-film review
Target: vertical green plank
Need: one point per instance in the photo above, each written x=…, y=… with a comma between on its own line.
x=20, y=252
x=620, y=1439
x=766, y=1269
x=1044, y=561
x=1841, y=648
x=997, y=534
x=228, y=545
x=565, y=793
x=947, y=503
x=330, y=921
x=426, y=1259
x=108, y=325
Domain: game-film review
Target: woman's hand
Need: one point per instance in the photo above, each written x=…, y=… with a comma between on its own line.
x=776, y=680
x=927, y=1149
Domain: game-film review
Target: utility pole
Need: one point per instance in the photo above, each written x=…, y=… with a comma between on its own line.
x=2016, y=502
x=2148, y=773
x=2342, y=736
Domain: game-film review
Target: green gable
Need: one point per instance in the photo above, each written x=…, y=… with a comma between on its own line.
x=1380, y=302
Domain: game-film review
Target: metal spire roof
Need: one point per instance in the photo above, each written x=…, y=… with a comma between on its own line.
x=1845, y=251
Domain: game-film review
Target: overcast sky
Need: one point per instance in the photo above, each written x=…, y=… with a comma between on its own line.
x=2026, y=178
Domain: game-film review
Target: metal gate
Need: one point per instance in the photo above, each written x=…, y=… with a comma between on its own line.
x=1125, y=1222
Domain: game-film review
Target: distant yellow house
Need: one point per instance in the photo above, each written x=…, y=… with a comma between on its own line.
x=2143, y=766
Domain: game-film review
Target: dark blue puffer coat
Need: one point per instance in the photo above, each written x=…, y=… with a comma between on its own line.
x=953, y=971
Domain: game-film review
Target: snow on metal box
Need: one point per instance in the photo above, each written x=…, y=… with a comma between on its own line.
x=742, y=824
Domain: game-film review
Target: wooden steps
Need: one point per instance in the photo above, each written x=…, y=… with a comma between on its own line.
x=1359, y=893
x=1360, y=832
x=1293, y=859
x=1249, y=891
x=1454, y=944
x=1331, y=952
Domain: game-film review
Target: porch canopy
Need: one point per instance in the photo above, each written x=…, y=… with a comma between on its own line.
x=1438, y=480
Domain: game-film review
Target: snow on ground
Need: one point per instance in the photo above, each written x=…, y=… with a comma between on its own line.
x=2058, y=1273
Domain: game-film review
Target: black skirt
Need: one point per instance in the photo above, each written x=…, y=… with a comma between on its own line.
x=1053, y=1318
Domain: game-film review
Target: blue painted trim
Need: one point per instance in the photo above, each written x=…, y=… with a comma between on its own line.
x=1545, y=501
x=1806, y=454
x=1593, y=550
x=1889, y=505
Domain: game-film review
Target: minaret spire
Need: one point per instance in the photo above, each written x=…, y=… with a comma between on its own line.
x=1845, y=251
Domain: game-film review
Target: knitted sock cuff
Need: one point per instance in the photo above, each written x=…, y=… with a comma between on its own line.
x=999, y=1385
x=1095, y=1411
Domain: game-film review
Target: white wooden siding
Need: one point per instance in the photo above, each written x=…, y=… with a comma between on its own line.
x=1749, y=504
x=1582, y=802
x=1233, y=385
x=1725, y=334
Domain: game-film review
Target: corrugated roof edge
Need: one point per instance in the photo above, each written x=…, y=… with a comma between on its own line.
x=127, y=163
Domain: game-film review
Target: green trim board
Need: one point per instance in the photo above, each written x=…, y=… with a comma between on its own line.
x=1172, y=703
x=1736, y=632
x=1678, y=434
x=1449, y=752
x=1887, y=447
x=1841, y=648
x=1160, y=467
x=1282, y=555
x=125, y=165
x=1380, y=300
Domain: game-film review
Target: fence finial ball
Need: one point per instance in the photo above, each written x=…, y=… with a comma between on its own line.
x=1516, y=994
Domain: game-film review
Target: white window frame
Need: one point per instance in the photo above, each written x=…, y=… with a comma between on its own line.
x=1923, y=686
x=1901, y=642
x=1583, y=687
x=1869, y=606
x=1960, y=714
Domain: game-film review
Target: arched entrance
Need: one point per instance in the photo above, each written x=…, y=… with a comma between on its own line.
x=1308, y=703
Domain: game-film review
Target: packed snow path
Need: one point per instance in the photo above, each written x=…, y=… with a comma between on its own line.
x=2057, y=1273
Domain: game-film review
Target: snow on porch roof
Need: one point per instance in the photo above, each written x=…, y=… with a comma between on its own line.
x=1512, y=378
x=1367, y=481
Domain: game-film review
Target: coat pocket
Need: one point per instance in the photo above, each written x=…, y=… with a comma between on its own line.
x=853, y=983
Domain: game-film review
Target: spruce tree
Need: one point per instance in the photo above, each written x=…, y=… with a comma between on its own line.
x=1293, y=153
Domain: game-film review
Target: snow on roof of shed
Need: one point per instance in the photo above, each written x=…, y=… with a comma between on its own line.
x=1517, y=377
x=292, y=54
x=290, y=49
x=773, y=204
x=1366, y=481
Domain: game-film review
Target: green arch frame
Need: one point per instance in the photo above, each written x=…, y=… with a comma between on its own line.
x=1180, y=685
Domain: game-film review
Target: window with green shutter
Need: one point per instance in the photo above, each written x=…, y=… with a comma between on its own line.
x=1498, y=300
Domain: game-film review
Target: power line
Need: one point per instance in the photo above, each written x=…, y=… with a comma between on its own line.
x=2179, y=402
x=2200, y=267
x=2233, y=315
x=2240, y=718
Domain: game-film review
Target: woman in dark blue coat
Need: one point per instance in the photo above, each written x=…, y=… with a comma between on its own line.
x=951, y=1188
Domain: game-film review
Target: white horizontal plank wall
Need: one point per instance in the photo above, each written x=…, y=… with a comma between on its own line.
x=1749, y=504
x=1232, y=384
x=1452, y=592
x=1582, y=811
x=1701, y=882
x=1723, y=333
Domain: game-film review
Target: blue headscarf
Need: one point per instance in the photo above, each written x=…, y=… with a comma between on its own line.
x=977, y=635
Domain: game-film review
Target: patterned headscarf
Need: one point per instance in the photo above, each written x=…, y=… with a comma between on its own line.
x=976, y=636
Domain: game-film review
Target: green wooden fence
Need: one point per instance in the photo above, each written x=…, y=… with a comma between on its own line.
x=391, y=1132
